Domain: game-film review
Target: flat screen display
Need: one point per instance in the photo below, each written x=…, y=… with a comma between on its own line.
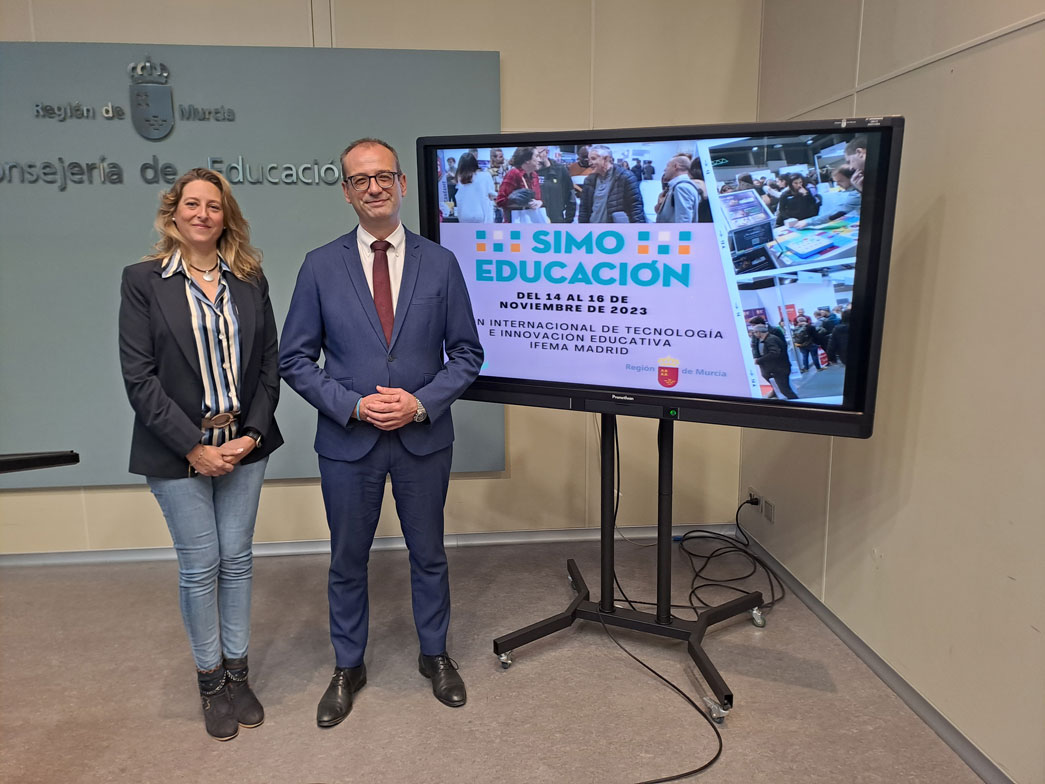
x=729, y=274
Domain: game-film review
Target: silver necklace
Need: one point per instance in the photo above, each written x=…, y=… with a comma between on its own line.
x=207, y=276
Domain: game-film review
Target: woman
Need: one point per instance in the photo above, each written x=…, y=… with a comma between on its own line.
x=796, y=202
x=451, y=178
x=521, y=188
x=198, y=351
x=848, y=204
x=475, y=192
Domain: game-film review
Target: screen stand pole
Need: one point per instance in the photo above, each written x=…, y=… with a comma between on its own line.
x=662, y=623
x=609, y=430
x=665, y=469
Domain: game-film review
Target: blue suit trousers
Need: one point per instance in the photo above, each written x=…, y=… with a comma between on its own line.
x=352, y=494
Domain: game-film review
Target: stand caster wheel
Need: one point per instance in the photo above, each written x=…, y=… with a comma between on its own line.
x=758, y=618
x=506, y=659
x=715, y=711
x=573, y=585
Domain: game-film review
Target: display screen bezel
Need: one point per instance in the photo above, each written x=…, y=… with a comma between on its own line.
x=855, y=418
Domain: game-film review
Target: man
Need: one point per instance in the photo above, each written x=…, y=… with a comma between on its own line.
x=582, y=166
x=498, y=168
x=856, y=159
x=755, y=321
x=556, y=188
x=382, y=304
x=610, y=194
x=771, y=357
x=824, y=327
x=580, y=169
x=497, y=165
x=683, y=196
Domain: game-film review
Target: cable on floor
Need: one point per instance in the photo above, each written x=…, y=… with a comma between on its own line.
x=711, y=723
x=686, y=697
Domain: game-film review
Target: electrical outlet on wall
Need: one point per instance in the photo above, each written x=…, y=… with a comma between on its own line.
x=769, y=510
x=754, y=495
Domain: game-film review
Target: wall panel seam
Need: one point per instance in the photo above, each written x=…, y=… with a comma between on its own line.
x=1016, y=27
x=758, y=82
x=1001, y=32
x=591, y=68
x=859, y=47
x=820, y=104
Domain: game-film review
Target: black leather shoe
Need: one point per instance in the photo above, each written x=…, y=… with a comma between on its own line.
x=245, y=703
x=447, y=685
x=337, y=699
x=218, y=714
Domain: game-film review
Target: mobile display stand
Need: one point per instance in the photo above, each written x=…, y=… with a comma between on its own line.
x=662, y=623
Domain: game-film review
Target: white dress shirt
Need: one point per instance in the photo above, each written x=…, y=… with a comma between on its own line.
x=396, y=256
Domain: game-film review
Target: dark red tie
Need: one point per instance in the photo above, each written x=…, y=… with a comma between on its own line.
x=383, y=287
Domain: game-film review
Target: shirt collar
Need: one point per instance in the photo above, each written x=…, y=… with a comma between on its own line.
x=397, y=238
x=176, y=263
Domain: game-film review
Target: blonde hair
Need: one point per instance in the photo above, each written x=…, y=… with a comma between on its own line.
x=233, y=244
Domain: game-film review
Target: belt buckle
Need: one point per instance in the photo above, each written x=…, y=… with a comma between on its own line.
x=222, y=420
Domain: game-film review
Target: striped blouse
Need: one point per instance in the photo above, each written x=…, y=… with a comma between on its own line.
x=215, y=329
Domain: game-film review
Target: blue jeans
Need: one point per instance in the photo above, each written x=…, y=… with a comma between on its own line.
x=810, y=351
x=211, y=520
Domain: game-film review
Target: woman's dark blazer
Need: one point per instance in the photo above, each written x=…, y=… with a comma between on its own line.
x=162, y=374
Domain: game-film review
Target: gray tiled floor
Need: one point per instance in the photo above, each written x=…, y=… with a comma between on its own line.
x=96, y=685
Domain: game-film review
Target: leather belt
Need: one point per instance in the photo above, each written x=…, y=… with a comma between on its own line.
x=221, y=420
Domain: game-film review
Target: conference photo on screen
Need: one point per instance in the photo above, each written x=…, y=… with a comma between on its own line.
x=720, y=267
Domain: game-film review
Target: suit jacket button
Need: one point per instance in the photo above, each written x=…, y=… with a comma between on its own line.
x=391, y=358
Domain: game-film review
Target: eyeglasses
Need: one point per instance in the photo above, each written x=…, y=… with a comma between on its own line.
x=361, y=182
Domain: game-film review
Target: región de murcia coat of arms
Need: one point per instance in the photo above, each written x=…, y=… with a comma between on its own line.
x=668, y=371
x=152, y=103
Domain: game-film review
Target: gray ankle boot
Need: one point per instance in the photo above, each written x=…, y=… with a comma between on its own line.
x=217, y=707
x=245, y=704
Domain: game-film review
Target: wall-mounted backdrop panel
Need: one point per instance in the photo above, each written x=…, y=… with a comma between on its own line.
x=81, y=169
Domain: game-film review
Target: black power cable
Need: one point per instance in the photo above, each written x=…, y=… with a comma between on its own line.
x=731, y=545
x=686, y=697
x=718, y=735
x=728, y=545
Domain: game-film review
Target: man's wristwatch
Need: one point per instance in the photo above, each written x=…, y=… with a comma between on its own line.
x=421, y=414
x=253, y=434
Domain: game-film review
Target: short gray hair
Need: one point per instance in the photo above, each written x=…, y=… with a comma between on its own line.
x=368, y=140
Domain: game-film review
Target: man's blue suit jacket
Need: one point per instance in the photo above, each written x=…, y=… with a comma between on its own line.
x=333, y=311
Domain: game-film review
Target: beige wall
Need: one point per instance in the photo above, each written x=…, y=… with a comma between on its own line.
x=585, y=63
x=927, y=540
